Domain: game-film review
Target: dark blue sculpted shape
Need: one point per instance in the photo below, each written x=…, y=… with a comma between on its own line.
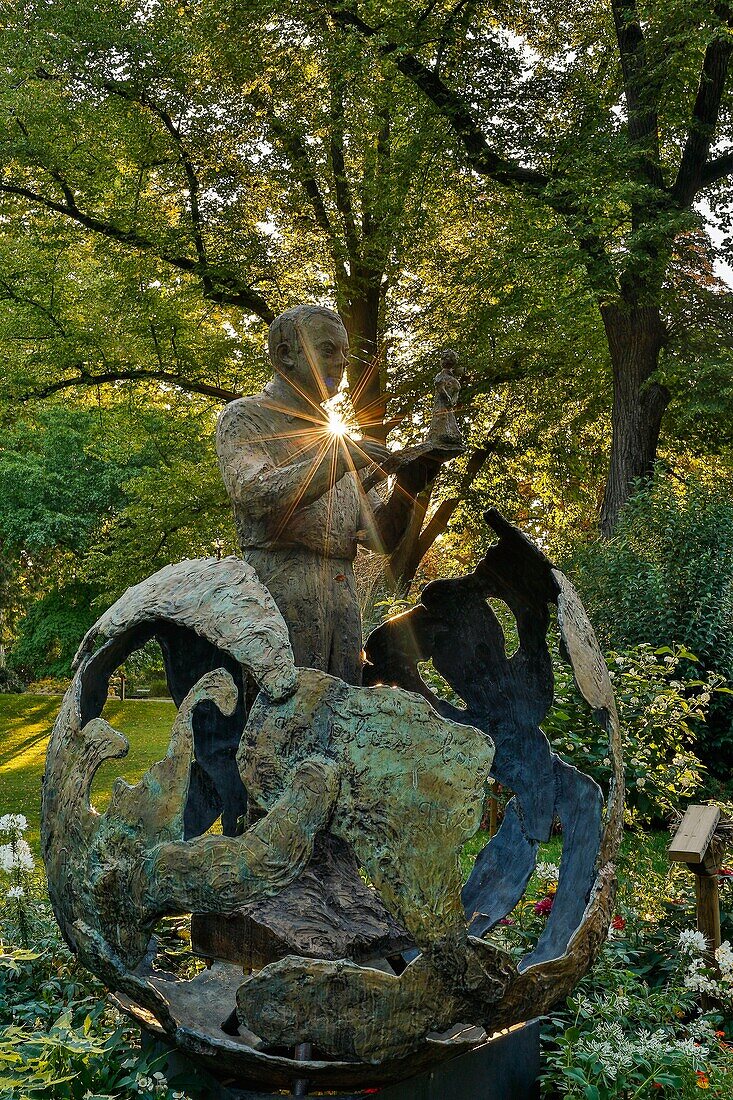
x=216, y=787
x=509, y=698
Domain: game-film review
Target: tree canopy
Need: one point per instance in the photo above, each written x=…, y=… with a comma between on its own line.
x=529, y=183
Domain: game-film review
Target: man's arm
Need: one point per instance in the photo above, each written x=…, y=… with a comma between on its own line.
x=252, y=479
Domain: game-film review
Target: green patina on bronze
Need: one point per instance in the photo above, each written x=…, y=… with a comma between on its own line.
x=119, y=872
x=377, y=768
x=411, y=786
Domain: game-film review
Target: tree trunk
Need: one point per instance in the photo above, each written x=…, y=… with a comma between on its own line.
x=405, y=559
x=402, y=564
x=361, y=317
x=635, y=337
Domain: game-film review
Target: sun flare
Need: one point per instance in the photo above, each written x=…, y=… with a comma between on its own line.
x=336, y=424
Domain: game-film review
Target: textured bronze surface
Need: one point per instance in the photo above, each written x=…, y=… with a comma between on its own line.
x=384, y=783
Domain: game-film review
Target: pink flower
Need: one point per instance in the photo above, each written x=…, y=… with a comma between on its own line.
x=506, y=920
x=544, y=907
x=618, y=923
x=725, y=872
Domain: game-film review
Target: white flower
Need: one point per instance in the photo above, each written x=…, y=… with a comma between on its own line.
x=23, y=855
x=692, y=942
x=16, y=855
x=724, y=959
x=12, y=823
x=550, y=872
x=691, y=1049
x=701, y=1029
x=15, y=892
x=698, y=982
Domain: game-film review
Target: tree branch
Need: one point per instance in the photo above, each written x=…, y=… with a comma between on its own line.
x=376, y=214
x=297, y=154
x=189, y=171
x=638, y=87
x=84, y=378
x=224, y=289
x=12, y=295
x=716, y=169
x=441, y=517
x=482, y=158
x=701, y=133
x=217, y=286
x=338, y=164
x=453, y=17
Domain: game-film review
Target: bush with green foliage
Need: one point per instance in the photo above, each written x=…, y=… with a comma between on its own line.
x=60, y=1039
x=617, y=1037
x=50, y=633
x=158, y=688
x=666, y=578
x=59, y=1036
x=10, y=682
x=635, y=1028
x=660, y=714
x=145, y=672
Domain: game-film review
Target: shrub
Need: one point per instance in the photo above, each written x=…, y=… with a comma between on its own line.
x=659, y=714
x=59, y=1036
x=49, y=685
x=634, y=1028
x=666, y=577
x=146, y=664
x=10, y=682
x=159, y=688
x=50, y=633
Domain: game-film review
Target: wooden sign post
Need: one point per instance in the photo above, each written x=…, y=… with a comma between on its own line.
x=694, y=844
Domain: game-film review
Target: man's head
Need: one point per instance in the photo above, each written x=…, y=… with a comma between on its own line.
x=309, y=348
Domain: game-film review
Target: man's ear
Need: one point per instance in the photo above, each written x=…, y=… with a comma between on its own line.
x=283, y=356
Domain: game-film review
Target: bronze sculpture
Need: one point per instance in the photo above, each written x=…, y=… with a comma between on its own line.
x=339, y=779
x=297, y=487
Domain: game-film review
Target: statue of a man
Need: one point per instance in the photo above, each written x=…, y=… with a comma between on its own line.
x=300, y=505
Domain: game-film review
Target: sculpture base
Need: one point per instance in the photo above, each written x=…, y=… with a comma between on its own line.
x=506, y=1067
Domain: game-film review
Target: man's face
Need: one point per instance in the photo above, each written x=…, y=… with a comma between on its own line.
x=319, y=360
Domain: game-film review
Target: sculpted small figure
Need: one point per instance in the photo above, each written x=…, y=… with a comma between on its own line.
x=444, y=430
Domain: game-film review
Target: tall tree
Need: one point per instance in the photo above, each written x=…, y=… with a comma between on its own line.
x=242, y=158
x=614, y=115
x=352, y=154
x=181, y=175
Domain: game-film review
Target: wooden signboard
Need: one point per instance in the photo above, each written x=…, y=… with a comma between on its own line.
x=694, y=845
x=692, y=839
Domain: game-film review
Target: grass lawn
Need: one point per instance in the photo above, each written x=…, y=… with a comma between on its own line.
x=25, y=726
